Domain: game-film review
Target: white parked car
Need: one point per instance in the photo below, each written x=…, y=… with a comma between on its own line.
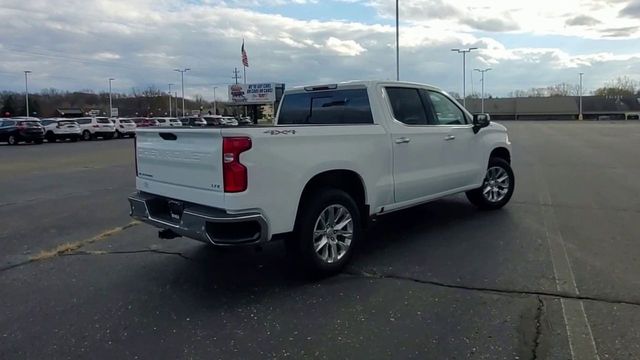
x=124, y=127
x=167, y=121
x=337, y=156
x=95, y=127
x=61, y=129
x=229, y=121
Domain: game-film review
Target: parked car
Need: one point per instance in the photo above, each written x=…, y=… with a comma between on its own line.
x=337, y=156
x=193, y=121
x=95, y=127
x=229, y=121
x=61, y=129
x=16, y=130
x=245, y=120
x=167, y=121
x=124, y=127
x=213, y=120
x=145, y=122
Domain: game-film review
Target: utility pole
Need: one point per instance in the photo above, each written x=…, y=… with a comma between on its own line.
x=236, y=76
x=214, y=101
x=482, y=71
x=26, y=90
x=176, y=97
x=464, y=72
x=182, y=71
x=580, y=116
x=110, y=102
x=397, y=41
x=170, y=101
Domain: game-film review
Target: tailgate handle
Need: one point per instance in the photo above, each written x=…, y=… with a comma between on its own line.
x=168, y=136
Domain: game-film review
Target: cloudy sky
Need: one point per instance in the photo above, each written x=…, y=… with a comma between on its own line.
x=79, y=44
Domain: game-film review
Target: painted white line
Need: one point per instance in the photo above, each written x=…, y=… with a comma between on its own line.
x=581, y=342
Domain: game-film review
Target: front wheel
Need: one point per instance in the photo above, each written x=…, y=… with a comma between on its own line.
x=497, y=187
x=328, y=227
x=86, y=135
x=13, y=140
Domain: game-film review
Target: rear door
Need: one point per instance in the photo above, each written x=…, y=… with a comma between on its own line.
x=184, y=164
x=418, y=161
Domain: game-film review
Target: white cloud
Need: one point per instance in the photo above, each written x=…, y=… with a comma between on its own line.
x=344, y=47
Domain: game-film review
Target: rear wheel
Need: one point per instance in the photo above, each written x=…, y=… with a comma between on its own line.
x=13, y=140
x=497, y=187
x=328, y=227
x=86, y=135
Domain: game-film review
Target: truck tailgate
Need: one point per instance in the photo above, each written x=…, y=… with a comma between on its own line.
x=184, y=164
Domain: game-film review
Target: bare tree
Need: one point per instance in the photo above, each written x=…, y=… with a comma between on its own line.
x=621, y=86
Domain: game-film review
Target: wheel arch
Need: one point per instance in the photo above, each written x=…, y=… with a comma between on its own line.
x=348, y=181
x=502, y=153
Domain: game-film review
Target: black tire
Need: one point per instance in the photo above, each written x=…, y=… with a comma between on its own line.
x=477, y=196
x=38, y=141
x=300, y=246
x=50, y=136
x=86, y=135
x=13, y=140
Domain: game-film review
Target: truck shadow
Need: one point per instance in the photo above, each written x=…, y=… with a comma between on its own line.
x=231, y=274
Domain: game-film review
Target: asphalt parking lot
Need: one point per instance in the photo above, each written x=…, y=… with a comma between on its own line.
x=554, y=275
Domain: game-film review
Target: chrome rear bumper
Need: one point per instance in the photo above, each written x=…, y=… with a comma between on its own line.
x=206, y=224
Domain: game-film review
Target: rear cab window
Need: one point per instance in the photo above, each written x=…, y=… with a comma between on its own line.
x=332, y=107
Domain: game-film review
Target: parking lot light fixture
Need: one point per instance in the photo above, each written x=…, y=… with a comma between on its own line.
x=170, y=100
x=464, y=71
x=482, y=71
x=26, y=90
x=580, y=115
x=110, y=102
x=182, y=71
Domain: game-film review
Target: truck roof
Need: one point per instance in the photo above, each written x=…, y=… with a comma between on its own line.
x=356, y=83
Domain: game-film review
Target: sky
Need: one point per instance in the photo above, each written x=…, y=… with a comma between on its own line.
x=80, y=44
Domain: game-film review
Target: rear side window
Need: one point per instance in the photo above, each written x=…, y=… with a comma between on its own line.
x=83, y=121
x=66, y=122
x=327, y=107
x=103, y=121
x=407, y=106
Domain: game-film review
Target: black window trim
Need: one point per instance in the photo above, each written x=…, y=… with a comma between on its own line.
x=319, y=92
x=418, y=88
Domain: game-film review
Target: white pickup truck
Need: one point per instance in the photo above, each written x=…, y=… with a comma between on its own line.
x=337, y=156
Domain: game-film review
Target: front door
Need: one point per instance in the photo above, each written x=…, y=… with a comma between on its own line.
x=418, y=159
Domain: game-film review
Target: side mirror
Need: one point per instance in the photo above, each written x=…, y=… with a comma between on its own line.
x=480, y=121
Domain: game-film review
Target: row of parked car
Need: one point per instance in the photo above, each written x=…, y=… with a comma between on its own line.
x=34, y=130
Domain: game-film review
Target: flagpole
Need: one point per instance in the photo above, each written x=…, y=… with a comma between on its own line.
x=244, y=73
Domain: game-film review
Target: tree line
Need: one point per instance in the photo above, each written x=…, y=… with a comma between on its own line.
x=149, y=101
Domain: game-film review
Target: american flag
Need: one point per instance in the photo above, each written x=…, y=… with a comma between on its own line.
x=245, y=59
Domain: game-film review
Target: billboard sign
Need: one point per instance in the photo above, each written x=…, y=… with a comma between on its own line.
x=253, y=93
x=114, y=112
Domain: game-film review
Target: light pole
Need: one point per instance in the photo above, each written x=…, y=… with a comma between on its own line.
x=580, y=117
x=397, y=42
x=26, y=90
x=182, y=71
x=215, y=112
x=110, y=102
x=482, y=71
x=464, y=71
x=171, y=100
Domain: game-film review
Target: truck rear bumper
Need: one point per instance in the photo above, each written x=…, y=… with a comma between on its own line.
x=206, y=224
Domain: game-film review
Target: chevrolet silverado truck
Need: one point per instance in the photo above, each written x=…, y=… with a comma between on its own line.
x=337, y=156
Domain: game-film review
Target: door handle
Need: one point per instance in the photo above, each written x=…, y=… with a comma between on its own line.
x=449, y=138
x=402, y=140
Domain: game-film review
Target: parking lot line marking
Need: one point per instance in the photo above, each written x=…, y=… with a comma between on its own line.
x=581, y=341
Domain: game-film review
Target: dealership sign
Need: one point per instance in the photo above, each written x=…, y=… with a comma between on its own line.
x=252, y=93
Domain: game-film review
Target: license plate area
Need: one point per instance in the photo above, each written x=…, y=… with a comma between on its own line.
x=166, y=209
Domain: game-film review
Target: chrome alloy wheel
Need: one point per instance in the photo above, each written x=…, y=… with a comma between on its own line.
x=496, y=184
x=333, y=233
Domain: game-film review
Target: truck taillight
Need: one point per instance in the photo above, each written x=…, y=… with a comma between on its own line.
x=234, y=173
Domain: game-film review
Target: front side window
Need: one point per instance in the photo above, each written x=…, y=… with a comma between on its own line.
x=327, y=107
x=407, y=106
x=446, y=112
